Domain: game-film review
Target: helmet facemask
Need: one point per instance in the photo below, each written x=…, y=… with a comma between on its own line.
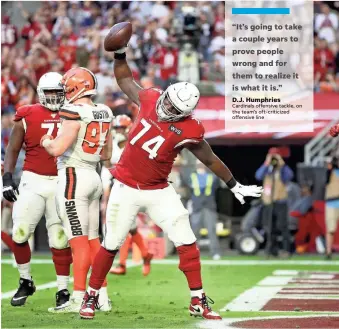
x=167, y=111
x=52, y=98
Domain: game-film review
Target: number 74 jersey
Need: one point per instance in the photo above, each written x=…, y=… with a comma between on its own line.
x=95, y=124
x=153, y=145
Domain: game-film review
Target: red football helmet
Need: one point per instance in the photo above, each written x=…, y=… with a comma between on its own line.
x=79, y=82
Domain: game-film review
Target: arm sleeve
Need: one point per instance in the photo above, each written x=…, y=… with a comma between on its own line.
x=21, y=113
x=261, y=172
x=69, y=113
x=196, y=136
x=147, y=94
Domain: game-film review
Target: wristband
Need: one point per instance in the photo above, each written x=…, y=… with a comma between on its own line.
x=231, y=183
x=119, y=56
x=46, y=142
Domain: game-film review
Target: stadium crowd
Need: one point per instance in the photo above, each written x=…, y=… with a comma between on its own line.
x=326, y=47
x=60, y=35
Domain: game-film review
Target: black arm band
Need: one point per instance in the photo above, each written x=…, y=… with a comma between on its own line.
x=119, y=56
x=231, y=183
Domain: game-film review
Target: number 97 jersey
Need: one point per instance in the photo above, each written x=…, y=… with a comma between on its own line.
x=153, y=145
x=95, y=123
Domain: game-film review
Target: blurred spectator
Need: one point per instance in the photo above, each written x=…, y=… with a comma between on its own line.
x=323, y=61
x=301, y=205
x=275, y=174
x=166, y=57
x=326, y=24
x=332, y=204
x=26, y=91
x=104, y=78
x=203, y=185
x=59, y=35
x=9, y=33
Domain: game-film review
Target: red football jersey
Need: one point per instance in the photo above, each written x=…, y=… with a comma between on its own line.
x=38, y=121
x=153, y=145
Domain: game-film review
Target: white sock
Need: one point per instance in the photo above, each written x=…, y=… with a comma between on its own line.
x=62, y=282
x=89, y=290
x=103, y=293
x=197, y=293
x=78, y=294
x=25, y=271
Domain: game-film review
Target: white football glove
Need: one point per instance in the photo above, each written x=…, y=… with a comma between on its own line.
x=240, y=191
x=122, y=50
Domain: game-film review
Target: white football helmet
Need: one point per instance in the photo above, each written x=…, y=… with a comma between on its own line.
x=50, y=91
x=177, y=101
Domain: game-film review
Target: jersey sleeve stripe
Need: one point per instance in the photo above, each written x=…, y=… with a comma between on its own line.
x=185, y=141
x=69, y=116
x=68, y=111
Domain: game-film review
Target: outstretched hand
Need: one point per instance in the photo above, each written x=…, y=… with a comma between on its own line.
x=240, y=191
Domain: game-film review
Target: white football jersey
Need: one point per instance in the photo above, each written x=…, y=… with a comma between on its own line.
x=95, y=124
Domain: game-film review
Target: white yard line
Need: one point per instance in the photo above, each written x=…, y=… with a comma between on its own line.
x=253, y=299
x=44, y=286
x=296, y=272
x=275, y=281
x=216, y=262
x=305, y=291
x=304, y=297
x=301, y=286
x=52, y=284
x=324, y=282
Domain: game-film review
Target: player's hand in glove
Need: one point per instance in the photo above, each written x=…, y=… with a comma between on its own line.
x=44, y=138
x=121, y=50
x=334, y=131
x=10, y=189
x=240, y=191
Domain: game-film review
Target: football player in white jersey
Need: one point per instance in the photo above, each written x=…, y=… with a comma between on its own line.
x=83, y=140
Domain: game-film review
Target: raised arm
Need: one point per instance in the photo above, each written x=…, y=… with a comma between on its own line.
x=124, y=77
x=205, y=154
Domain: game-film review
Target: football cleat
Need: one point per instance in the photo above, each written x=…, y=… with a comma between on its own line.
x=62, y=297
x=146, y=268
x=26, y=288
x=89, y=304
x=199, y=307
x=71, y=306
x=119, y=270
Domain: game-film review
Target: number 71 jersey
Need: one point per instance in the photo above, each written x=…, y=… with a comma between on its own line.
x=95, y=124
x=37, y=121
x=153, y=145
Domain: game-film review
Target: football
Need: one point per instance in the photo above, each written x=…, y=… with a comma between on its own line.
x=118, y=36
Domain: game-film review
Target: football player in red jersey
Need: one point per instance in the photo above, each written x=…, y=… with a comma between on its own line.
x=121, y=126
x=164, y=127
x=334, y=131
x=35, y=196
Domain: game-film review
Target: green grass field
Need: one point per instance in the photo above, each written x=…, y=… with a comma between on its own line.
x=157, y=301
